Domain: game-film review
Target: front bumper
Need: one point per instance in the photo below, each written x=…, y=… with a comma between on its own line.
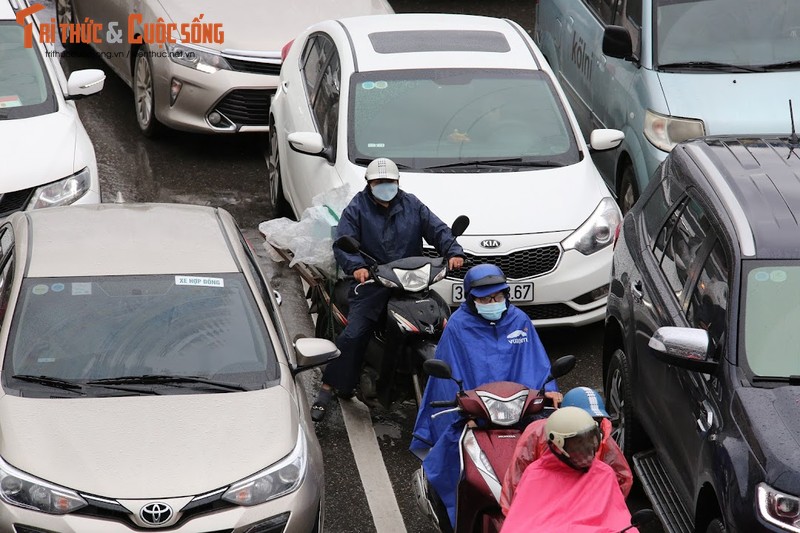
x=242, y=98
x=560, y=295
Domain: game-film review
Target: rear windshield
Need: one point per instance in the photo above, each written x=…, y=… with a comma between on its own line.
x=25, y=89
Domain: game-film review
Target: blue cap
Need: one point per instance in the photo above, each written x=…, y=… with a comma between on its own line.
x=483, y=280
x=587, y=399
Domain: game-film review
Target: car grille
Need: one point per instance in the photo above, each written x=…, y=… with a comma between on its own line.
x=246, y=107
x=254, y=67
x=547, y=311
x=516, y=265
x=15, y=201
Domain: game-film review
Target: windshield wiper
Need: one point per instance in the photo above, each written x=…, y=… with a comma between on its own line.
x=366, y=161
x=509, y=162
x=158, y=379
x=711, y=65
x=50, y=382
x=791, y=380
x=785, y=65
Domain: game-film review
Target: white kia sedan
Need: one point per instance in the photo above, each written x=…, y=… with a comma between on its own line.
x=47, y=158
x=474, y=118
x=147, y=378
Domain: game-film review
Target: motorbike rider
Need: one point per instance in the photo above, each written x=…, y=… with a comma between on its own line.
x=533, y=444
x=389, y=224
x=487, y=339
x=567, y=489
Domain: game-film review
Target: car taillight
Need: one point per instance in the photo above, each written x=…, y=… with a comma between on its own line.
x=285, y=50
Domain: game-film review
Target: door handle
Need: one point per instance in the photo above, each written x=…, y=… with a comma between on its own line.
x=637, y=291
x=285, y=86
x=706, y=419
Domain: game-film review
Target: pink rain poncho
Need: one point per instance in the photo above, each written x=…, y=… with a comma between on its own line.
x=552, y=497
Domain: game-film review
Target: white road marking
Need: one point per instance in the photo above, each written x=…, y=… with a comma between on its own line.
x=374, y=477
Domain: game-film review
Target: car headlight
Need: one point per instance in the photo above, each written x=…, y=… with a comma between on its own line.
x=664, y=131
x=62, y=192
x=283, y=477
x=504, y=411
x=778, y=508
x=23, y=490
x=598, y=230
x=414, y=280
x=197, y=58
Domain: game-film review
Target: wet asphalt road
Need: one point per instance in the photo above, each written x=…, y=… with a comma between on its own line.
x=229, y=172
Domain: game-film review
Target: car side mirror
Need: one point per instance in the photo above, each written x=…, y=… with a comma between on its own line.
x=605, y=139
x=617, y=43
x=309, y=142
x=86, y=82
x=313, y=352
x=687, y=348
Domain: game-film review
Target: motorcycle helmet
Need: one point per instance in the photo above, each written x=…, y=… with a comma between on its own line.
x=382, y=169
x=573, y=436
x=587, y=399
x=483, y=280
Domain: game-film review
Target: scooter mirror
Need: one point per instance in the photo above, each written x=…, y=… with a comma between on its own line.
x=437, y=369
x=563, y=366
x=460, y=225
x=348, y=244
x=642, y=517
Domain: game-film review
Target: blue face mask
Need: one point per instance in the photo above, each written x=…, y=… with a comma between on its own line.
x=492, y=311
x=385, y=191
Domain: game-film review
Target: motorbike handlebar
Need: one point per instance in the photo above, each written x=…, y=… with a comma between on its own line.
x=444, y=403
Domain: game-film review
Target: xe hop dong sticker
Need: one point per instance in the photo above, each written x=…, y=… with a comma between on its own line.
x=10, y=101
x=197, y=281
x=81, y=289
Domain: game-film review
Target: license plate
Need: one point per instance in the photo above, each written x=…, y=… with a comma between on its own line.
x=519, y=292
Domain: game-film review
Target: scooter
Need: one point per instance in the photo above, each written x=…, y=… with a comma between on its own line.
x=408, y=331
x=496, y=414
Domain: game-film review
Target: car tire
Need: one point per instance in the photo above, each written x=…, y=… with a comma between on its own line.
x=65, y=14
x=628, y=191
x=280, y=207
x=144, y=94
x=619, y=404
x=716, y=526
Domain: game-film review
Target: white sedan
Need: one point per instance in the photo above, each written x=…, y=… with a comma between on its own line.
x=472, y=114
x=47, y=157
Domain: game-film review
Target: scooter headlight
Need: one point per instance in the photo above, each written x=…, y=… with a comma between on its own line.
x=440, y=276
x=387, y=282
x=504, y=411
x=414, y=280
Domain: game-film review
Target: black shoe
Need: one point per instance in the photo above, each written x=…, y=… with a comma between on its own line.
x=320, y=406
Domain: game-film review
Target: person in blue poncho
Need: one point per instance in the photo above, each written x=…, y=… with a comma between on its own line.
x=486, y=339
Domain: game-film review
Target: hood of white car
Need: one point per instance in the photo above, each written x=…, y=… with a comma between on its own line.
x=266, y=25
x=148, y=446
x=37, y=150
x=509, y=203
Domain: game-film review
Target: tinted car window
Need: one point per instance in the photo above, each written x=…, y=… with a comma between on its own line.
x=604, y=9
x=6, y=267
x=326, y=102
x=25, y=89
x=708, y=303
x=654, y=211
x=682, y=244
x=116, y=326
x=315, y=61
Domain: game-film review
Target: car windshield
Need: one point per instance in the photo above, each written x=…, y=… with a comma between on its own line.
x=104, y=328
x=25, y=89
x=718, y=33
x=770, y=334
x=446, y=117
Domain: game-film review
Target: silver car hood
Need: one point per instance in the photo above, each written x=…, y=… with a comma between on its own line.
x=148, y=446
x=266, y=25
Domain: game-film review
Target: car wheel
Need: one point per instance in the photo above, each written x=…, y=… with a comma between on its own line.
x=144, y=94
x=619, y=404
x=65, y=15
x=280, y=207
x=628, y=193
x=716, y=526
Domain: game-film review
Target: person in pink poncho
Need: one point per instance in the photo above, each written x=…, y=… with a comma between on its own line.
x=567, y=490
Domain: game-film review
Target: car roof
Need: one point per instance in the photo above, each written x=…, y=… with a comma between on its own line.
x=126, y=239
x=434, y=40
x=760, y=187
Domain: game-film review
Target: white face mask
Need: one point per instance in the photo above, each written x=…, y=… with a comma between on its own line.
x=385, y=191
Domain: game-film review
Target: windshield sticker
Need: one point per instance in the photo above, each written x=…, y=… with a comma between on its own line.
x=57, y=287
x=10, y=101
x=367, y=85
x=81, y=289
x=381, y=85
x=761, y=276
x=376, y=145
x=778, y=276
x=196, y=281
x=40, y=289
x=46, y=360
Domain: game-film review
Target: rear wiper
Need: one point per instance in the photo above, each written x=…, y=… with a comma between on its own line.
x=50, y=382
x=509, y=162
x=791, y=380
x=785, y=65
x=157, y=379
x=366, y=161
x=711, y=65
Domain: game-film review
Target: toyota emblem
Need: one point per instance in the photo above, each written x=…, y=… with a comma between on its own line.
x=490, y=243
x=156, y=513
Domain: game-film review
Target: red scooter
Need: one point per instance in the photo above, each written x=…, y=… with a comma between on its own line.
x=496, y=414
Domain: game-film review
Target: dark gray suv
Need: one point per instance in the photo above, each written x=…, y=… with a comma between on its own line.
x=701, y=355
